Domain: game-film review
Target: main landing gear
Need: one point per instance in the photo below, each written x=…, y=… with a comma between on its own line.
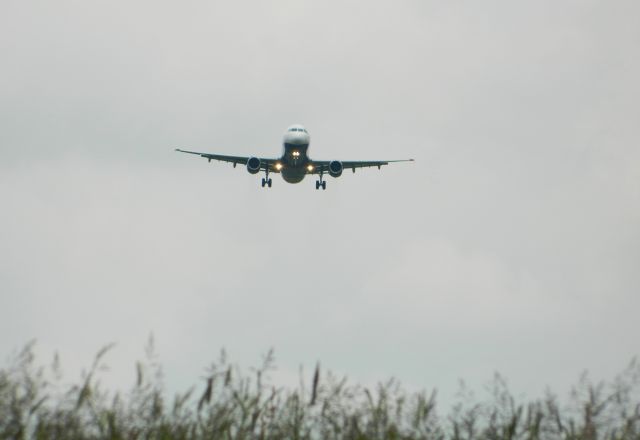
x=321, y=183
x=266, y=180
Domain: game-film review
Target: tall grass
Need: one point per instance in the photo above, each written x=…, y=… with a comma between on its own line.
x=231, y=404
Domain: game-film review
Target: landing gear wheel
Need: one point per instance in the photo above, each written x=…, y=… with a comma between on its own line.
x=317, y=184
x=269, y=182
x=324, y=185
x=264, y=182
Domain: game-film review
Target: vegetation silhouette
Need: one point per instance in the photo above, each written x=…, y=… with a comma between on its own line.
x=236, y=405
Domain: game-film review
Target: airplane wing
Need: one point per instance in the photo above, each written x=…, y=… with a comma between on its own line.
x=323, y=165
x=264, y=162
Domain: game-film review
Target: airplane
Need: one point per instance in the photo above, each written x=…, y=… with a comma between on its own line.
x=294, y=163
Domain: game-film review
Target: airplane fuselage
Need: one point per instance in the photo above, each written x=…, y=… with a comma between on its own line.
x=294, y=161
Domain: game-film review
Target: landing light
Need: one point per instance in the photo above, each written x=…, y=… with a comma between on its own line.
x=278, y=166
x=296, y=153
x=310, y=168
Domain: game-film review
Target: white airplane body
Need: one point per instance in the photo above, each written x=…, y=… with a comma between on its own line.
x=294, y=164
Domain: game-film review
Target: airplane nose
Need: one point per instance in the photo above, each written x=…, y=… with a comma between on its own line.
x=298, y=138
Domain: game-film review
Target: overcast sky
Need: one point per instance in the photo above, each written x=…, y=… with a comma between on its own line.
x=512, y=244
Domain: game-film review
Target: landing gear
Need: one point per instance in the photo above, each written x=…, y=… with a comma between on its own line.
x=321, y=183
x=266, y=180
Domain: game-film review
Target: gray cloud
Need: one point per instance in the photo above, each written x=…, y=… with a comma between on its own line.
x=511, y=244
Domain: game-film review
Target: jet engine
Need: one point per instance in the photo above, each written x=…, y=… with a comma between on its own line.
x=253, y=165
x=335, y=168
